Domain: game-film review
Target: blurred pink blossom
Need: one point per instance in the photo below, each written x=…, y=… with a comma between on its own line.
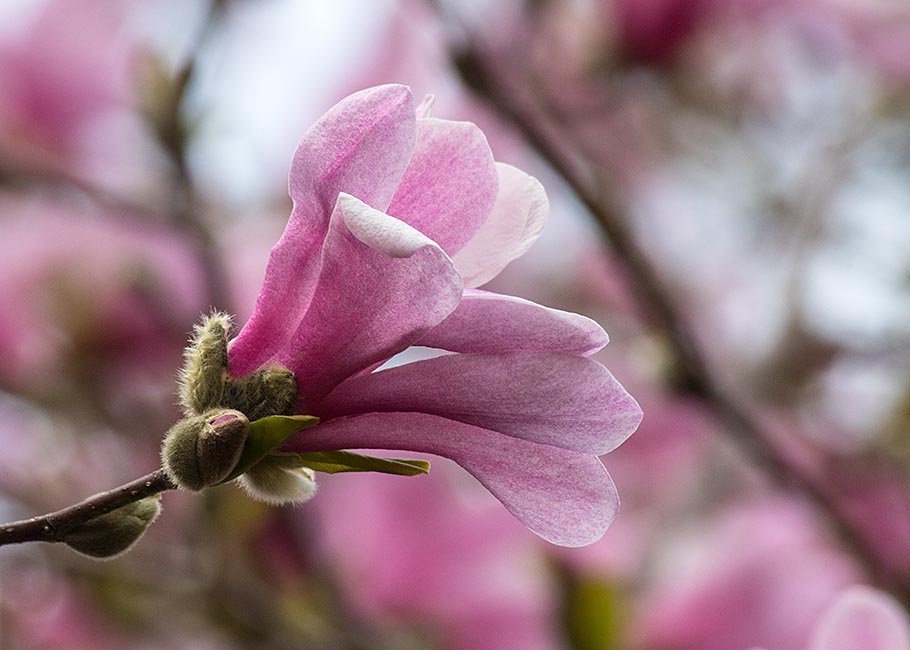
x=440, y=554
x=759, y=576
x=882, y=33
x=66, y=69
x=862, y=619
x=652, y=31
x=82, y=283
x=672, y=443
x=394, y=214
x=45, y=611
x=877, y=500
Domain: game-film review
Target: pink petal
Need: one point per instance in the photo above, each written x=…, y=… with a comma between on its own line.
x=863, y=618
x=514, y=224
x=490, y=322
x=361, y=146
x=547, y=397
x=382, y=286
x=450, y=185
x=565, y=497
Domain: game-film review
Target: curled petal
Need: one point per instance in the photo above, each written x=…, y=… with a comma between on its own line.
x=566, y=497
x=361, y=146
x=382, y=286
x=863, y=618
x=546, y=397
x=491, y=322
x=514, y=224
x=450, y=184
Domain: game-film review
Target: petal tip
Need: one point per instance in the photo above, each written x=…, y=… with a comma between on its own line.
x=381, y=231
x=386, y=91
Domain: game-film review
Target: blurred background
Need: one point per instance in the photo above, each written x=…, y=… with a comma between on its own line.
x=730, y=198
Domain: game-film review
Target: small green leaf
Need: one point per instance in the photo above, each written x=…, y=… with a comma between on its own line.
x=107, y=536
x=265, y=436
x=333, y=462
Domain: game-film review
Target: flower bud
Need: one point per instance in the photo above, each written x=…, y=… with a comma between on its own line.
x=269, y=391
x=205, y=367
x=107, y=536
x=269, y=482
x=201, y=451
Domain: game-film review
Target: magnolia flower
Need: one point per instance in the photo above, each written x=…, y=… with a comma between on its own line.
x=862, y=617
x=397, y=218
x=65, y=70
x=441, y=557
x=760, y=573
x=865, y=618
x=89, y=285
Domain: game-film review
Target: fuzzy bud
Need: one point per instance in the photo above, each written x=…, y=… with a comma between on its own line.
x=269, y=391
x=205, y=367
x=107, y=536
x=270, y=482
x=201, y=451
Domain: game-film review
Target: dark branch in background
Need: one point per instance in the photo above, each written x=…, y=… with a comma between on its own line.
x=26, y=179
x=692, y=373
x=172, y=130
x=53, y=527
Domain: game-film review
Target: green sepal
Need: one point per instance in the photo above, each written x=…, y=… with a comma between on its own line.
x=265, y=436
x=333, y=462
x=107, y=536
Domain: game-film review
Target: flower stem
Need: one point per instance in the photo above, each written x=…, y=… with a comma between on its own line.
x=54, y=526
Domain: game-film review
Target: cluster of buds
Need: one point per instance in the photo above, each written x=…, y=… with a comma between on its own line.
x=204, y=448
x=208, y=445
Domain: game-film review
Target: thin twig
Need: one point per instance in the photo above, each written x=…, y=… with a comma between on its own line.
x=693, y=374
x=22, y=177
x=54, y=526
x=172, y=130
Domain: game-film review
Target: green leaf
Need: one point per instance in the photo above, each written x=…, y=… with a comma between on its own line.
x=333, y=462
x=109, y=535
x=265, y=436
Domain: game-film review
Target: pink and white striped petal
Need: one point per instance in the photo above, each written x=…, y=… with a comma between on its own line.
x=492, y=322
x=450, y=184
x=515, y=223
x=551, y=398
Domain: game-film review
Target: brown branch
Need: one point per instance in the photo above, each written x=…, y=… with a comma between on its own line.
x=692, y=371
x=54, y=526
x=26, y=177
